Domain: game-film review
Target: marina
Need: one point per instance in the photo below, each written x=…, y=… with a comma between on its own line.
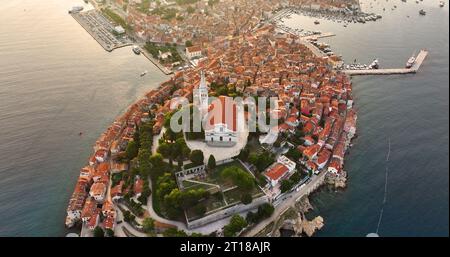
x=414, y=68
x=102, y=30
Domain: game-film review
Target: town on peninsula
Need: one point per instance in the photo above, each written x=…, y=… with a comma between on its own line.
x=146, y=179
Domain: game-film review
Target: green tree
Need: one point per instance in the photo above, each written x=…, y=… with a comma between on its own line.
x=197, y=157
x=109, y=232
x=165, y=150
x=244, y=154
x=211, y=162
x=266, y=210
x=173, y=232
x=246, y=198
x=189, y=43
x=132, y=150
x=148, y=225
x=239, y=177
x=237, y=223
x=98, y=232
x=128, y=216
x=286, y=185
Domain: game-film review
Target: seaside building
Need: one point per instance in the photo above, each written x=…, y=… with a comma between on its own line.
x=280, y=170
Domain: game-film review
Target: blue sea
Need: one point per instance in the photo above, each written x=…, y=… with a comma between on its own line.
x=56, y=81
x=410, y=111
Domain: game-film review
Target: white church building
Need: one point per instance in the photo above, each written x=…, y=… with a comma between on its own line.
x=220, y=117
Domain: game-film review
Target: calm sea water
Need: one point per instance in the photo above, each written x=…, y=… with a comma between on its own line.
x=55, y=82
x=411, y=111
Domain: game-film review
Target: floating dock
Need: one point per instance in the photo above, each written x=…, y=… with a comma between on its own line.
x=414, y=69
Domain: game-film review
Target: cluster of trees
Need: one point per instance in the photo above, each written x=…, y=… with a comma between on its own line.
x=99, y=232
x=154, y=49
x=224, y=90
x=174, y=201
x=262, y=160
x=242, y=179
x=288, y=184
x=297, y=138
x=294, y=154
x=148, y=225
x=174, y=147
x=236, y=225
x=116, y=18
x=128, y=216
x=264, y=211
x=135, y=207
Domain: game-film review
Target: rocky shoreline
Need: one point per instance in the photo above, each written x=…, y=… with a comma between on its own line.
x=295, y=224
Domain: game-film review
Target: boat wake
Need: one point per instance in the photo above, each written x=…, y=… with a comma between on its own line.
x=385, y=187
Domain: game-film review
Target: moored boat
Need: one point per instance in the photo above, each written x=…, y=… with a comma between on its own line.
x=76, y=9
x=136, y=50
x=374, y=65
x=411, y=62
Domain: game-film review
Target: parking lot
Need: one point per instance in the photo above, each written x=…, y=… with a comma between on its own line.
x=101, y=29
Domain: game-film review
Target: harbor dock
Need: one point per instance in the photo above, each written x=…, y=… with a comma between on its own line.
x=414, y=69
x=319, y=36
x=101, y=29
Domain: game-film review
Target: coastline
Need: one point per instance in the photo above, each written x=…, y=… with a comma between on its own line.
x=134, y=112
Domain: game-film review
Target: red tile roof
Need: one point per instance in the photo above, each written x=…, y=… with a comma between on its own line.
x=277, y=171
x=223, y=111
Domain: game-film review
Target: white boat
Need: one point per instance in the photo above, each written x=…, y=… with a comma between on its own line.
x=144, y=73
x=411, y=62
x=76, y=9
x=136, y=50
x=374, y=65
x=441, y=4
